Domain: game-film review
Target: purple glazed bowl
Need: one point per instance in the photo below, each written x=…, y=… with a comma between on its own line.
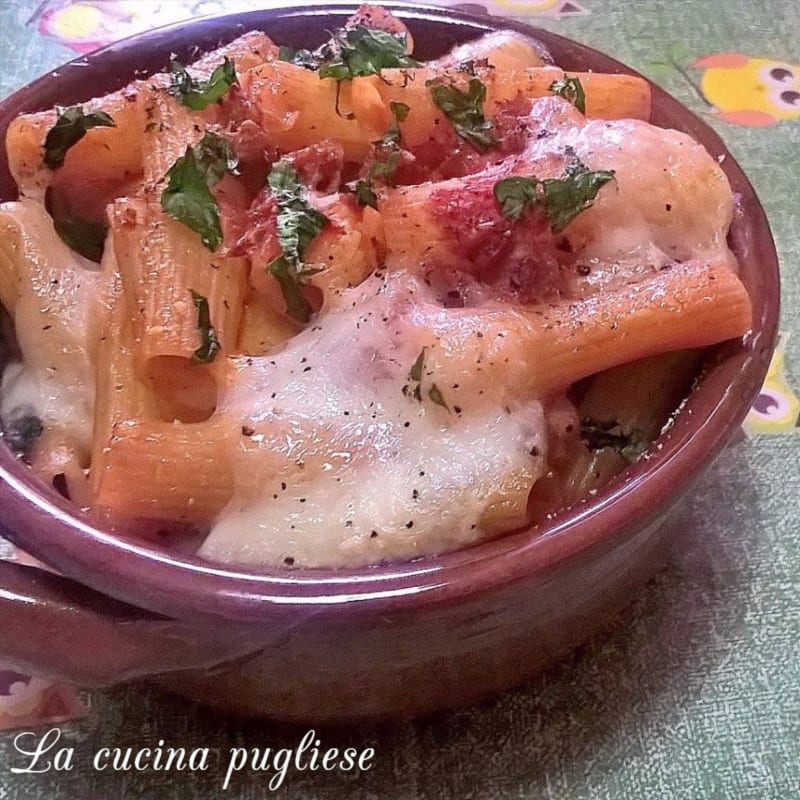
x=313, y=645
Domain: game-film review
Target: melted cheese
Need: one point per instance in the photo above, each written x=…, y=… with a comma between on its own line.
x=670, y=199
x=382, y=474
x=54, y=296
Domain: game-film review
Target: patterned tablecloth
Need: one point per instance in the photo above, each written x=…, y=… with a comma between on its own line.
x=694, y=694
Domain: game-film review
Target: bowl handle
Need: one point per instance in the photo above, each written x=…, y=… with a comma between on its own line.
x=57, y=628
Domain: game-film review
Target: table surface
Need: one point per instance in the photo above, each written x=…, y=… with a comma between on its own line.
x=694, y=693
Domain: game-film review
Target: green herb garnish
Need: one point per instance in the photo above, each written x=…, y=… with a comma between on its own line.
x=516, y=194
x=291, y=282
x=414, y=385
x=71, y=126
x=188, y=196
x=565, y=198
x=83, y=236
x=353, y=52
x=562, y=198
x=365, y=194
x=571, y=90
x=413, y=388
x=198, y=95
x=298, y=223
x=215, y=157
x=415, y=373
x=22, y=431
x=465, y=111
x=301, y=58
x=366, y=51
x=603, y=434
x=210, y=345
x=387, y=152
x=188, y=199
x=400, y=114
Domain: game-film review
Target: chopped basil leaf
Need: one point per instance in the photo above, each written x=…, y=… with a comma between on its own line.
x=515, y=195
x=291, y=284
x=22, y=431
x=570, y=89
x=71, y=126
x=188, y=197
x=365, y=194
x=415, y=373
x=302, y=58
x=383, y=168
x=414, y=385
x=387, y=151
x=353, y=52
x=198, y=95
x=386, y=167
x=399, y=111
x=465, y=111
x=565, y=198
x=562, y=198
x=366, y=51
x=437, y=397
x=209, y=346
x=602, y=434
x=391, y=138
x=298, y=223
x=215, y=157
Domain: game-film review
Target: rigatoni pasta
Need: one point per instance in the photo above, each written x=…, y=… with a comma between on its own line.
x=328, y=308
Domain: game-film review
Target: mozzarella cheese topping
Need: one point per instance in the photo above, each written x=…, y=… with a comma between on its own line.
x=385, y=473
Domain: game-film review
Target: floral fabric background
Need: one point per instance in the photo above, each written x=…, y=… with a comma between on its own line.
x=695, y=692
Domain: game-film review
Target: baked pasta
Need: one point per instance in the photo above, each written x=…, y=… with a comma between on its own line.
x=335, y=307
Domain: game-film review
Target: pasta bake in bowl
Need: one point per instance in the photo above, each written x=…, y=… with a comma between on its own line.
x=356, y=360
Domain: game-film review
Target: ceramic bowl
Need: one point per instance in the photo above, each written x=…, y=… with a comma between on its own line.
x=316, y=645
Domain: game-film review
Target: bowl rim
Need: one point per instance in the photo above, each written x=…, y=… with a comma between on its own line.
x=186, y=587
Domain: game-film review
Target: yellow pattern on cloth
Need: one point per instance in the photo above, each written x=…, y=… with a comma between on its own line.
x=777, y=407
x=751, y=91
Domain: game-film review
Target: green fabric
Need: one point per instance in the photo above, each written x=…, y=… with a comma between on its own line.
x=694, y=693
